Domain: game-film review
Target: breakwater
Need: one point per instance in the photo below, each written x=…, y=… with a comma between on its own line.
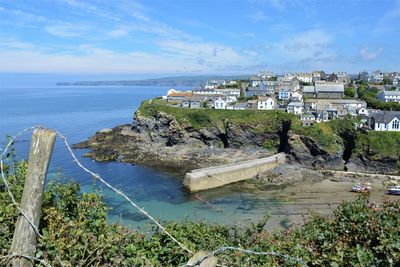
x=207, y=178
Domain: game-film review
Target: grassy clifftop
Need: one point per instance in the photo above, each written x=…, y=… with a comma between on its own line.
x=265, y=121
x=332, y=136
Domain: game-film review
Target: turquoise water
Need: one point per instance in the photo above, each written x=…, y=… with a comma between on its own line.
x=78, y=112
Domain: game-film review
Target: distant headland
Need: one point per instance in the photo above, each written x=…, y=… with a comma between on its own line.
x=166, y=81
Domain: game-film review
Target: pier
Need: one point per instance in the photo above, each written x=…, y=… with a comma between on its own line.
x=212, y=177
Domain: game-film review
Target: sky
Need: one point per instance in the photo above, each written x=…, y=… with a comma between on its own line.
x=193, y=37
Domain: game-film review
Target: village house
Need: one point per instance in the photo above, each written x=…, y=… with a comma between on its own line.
x=307, y=119
x=318, y=76
x=295, y=108
x=204, y=92
x=389, y=96
x=323, y=116
x=191, y=103
x=385, y=120
x=329, y=90
x=237, y=106
x=304, y=77
x=265, y=103
x=343, y=78
x=292, y=85
x=228, y=92
x=296, y=96
x=270, y=86
x=212, y=84
x=322, y=104
x=178, y=97
x=220, y=103
x=256, y=91
x=285, y=94
x=363, y=111
x=255, y=81
x=309, y=91
x=252, y=104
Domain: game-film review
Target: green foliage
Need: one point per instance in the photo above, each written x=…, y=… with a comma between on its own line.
x=378, y=145
x=260, y=121
x=75, y=227
x=328, y=134
x=387, y=80
x=370, y=95
x=270, y=144
x=350, y=92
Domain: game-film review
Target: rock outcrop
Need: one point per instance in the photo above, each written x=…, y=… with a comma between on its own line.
x=161, y=141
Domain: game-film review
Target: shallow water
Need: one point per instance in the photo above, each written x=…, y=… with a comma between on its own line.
x=78, y=112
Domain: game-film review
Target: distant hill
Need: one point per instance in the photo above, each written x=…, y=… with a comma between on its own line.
x=167, y=81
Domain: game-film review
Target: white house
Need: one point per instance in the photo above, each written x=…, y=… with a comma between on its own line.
x=220, y=103
x=230, y=99
x=171, y=91
x=362, y=112
x=265, y=103
x=296, y=96
x=295, y=108
x=228, y=92
x=389, y=96
x=212, y=84
x=385, y=121
x=237, y=106
x=305, y=77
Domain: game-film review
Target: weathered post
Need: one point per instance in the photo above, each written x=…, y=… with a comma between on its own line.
x=24, y=239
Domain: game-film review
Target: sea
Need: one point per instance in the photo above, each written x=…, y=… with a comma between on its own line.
x=78, y=112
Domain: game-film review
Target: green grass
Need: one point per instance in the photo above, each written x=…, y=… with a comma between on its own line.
x=260, y=121
x=328, y=135
x=378, y=145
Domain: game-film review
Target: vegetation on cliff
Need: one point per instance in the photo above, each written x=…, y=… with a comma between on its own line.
x=75, y=227
x=334, y=136
x=261, y=121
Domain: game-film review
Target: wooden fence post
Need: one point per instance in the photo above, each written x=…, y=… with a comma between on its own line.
x=24, y=239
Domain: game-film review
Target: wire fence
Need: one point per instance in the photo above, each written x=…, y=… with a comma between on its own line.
x=123, y=195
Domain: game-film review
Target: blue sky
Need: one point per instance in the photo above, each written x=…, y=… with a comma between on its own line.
x=181, y=37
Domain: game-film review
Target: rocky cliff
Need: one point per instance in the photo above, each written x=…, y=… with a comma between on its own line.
x=166, y=140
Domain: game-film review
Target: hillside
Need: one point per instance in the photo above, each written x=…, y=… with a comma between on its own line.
x=167, y=81
x=170, y=136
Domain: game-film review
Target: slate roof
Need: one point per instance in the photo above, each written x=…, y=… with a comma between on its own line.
x=296, y=104
x=385, y=116
x=391, y=93
x=309, y=89
x=339, y=88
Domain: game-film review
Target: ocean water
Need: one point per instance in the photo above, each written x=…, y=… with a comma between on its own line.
x=79, y=112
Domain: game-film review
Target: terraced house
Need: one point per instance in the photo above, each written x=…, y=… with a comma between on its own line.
x=385, y=121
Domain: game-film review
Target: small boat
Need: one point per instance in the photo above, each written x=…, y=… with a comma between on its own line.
x=394, y=190
x=361, y=187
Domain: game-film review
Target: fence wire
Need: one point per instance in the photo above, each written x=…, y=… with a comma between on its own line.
x=122, y=194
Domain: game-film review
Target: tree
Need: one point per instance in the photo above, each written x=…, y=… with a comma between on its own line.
x=350, y=92
x=387, y=80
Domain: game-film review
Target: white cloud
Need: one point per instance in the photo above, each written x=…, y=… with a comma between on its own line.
x=256, y=15
x=368, y=55
x=119, y=32
x=174, y=56
x=12, y=43
x=29, y=16
x=66, y=30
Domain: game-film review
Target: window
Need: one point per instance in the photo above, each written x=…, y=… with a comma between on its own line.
x=396, y=124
